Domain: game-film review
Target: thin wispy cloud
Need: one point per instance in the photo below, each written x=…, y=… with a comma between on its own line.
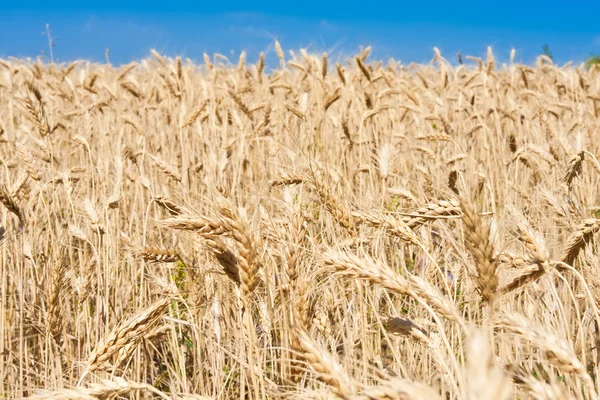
x=89, y=25
x=327, y=25
x=258, y=32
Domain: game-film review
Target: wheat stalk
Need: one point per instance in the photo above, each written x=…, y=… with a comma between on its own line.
x=413, y=286
x=247, y=263
x=556, y=350
x=477, y=238
x=10, y=204
x=126, y=332
x=579, y=240
x=104, y=390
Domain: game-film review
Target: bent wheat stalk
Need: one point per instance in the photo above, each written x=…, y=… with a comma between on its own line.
x=123, y=334
x=107, y=389
x=557, y=350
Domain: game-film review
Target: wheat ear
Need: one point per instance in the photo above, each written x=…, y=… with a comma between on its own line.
x=556, y=350
x=105, y=390
x=408, y=285
x=579, y=240
x=477, y=238
x=124, y=333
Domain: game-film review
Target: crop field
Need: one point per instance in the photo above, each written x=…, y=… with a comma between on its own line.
x=347, y=230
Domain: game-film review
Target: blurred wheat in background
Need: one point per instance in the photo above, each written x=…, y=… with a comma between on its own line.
x=347, y=230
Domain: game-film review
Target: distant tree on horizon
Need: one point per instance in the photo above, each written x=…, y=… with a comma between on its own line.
x=547, y=52
x=592, y=60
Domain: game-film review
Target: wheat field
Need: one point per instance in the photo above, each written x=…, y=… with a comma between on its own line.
x=349, y=230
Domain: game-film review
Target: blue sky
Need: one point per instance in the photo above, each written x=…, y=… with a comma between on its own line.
x=407, y=31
